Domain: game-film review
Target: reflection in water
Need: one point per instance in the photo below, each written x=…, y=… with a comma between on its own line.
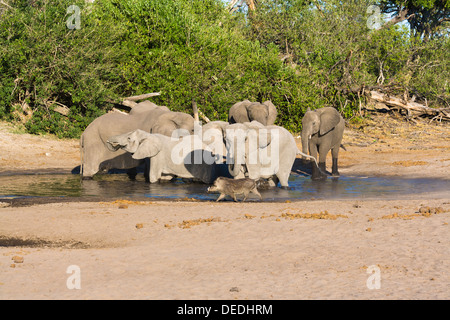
x=301, y=187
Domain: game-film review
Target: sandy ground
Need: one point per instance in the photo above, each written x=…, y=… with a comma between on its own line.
x=205, y=250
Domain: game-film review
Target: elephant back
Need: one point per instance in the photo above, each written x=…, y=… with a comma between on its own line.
x=148, y=119
x=238, y=112
x=107, y=125
x=142, y=107
x=168, y=122
x=258, y=112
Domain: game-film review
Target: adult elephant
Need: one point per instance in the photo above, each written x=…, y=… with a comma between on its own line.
x=147, y=116
x=322, y=131
x=247, y=111
x=258, y=151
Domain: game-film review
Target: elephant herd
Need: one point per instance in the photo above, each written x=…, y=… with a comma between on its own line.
x=173, y=145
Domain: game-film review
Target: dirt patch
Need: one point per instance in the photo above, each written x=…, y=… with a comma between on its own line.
x=26, y=153
x=40, y=243
x=387, y=146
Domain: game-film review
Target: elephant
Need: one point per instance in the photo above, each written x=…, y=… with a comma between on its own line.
x=147, y=116
x=256, y=151
x=212, y=134
x=247, y=111
x=184, y=157
x=322, y=130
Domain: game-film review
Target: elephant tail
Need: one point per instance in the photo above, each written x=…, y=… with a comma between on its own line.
x=343, y=147
x=307, y=156
x=315, y=161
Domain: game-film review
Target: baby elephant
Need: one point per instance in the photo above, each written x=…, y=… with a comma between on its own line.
x=232, y=187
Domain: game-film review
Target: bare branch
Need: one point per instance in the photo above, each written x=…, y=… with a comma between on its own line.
x=6, y=5
x=129, y=103
x=401, y=16
x=203, y=116
x=195, y=110
x=142, y=96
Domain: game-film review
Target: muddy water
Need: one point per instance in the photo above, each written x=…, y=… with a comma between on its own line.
x=114, y=186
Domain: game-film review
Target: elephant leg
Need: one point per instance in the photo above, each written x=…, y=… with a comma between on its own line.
x=147, y=170
x=334, y=169
x=273, y=181
x=283, y=178
x=322, y=170
x=315, y=172
x=335, y=172
x=154, y=176
x=132, y=173
x=318, y=172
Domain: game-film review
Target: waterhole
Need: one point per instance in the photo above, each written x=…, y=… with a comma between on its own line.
x=113, y=186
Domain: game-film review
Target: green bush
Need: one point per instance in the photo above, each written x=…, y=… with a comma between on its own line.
x=297, y=53
x=44, y=62
x=330, y=46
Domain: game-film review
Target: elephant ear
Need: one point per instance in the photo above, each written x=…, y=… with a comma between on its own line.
x=272, y=112
x=238, y=112
x=329, y=118
x=148, y=148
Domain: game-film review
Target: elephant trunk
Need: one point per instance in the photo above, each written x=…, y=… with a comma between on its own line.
x=234, y=169
x=113, y=145
x=234, y=166
x=305, y=143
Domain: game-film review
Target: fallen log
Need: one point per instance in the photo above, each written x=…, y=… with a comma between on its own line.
x=410, y=108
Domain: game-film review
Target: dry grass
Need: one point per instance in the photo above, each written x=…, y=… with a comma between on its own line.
x=322, y=215
x=423, y=212
x=409, y=163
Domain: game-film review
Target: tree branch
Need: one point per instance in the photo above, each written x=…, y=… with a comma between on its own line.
x=142, y=96
x=401, y=16
x=5, y=4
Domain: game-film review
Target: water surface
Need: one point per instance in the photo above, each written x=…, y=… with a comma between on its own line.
x=115, y=186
